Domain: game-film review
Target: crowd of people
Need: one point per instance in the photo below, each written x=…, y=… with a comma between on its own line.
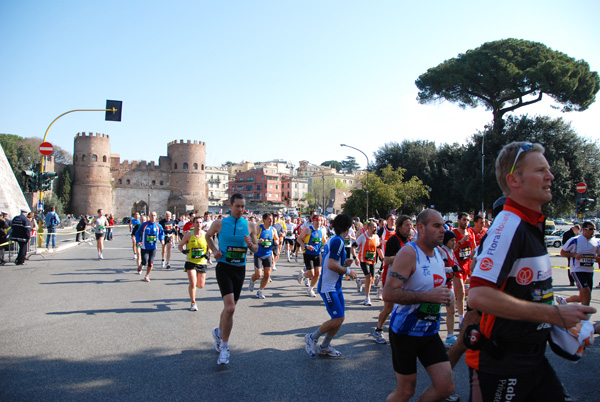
x=495, y=277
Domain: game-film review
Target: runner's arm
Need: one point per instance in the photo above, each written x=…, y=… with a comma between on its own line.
x=213, y=230
x=184, y=241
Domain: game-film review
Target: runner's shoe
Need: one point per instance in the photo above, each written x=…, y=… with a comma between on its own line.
x=134, y=257
x=217, y=339
x=378, y=336
x=450, y=339
x=379, y=294
x=288, y=258
x=329, y=351
x=193, y=307
x=359, y=285
x=598, y=285
x=168, y=266
x=311, y=293
x=259, y=294
x=367, y=301
x=296, y=258
x=251, y=286
x=311, y=345
x=300, y=277
x=560, y=300
x=223, y=357
x=139, y=270
x=147, y=278
x=453, y=398
x=162, y=264
x=377, y=279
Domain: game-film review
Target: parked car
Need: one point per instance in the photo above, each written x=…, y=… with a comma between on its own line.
x=554, y=239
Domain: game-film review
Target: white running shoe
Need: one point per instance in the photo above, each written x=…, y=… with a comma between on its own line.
x=259, y=294
x=168, y=266
x=147, y=278
x=311, y=293
x=100, y=256
x=377, y=279
x=217, y=339
x=306, y=282
x=162, y=264
x=251, y=286
x=378, y=336
x=311, y=345
x=274, y=268
x=300, y=277
x=288, y=258
x=329, y=351
x=359, y=285
x=367, y=301
x=223, y=357
x=560, y=300
x=139, y=270
x=193, y=307
x=134, y=257
x=379, y=294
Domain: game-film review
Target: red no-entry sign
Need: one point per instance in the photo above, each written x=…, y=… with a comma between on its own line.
x=581, y=187
x=46, y=148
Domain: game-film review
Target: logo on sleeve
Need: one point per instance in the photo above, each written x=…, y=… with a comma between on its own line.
x=437, y=280
x=525, y=276
x=486, y=264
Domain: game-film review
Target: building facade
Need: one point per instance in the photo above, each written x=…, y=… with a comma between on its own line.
x=217, y=179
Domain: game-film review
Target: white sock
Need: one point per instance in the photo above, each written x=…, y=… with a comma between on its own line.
x=460, y=318
x=224, y=345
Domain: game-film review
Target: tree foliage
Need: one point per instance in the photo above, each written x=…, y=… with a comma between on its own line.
x=63, y=188
x=388, y=191
x=350, y=165
x=508, y=74
x=333, y=164
x=316, y=196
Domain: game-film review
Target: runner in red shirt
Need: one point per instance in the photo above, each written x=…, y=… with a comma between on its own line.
x=465, y=245
x=478, y=229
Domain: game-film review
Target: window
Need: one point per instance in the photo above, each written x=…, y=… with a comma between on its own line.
x=154, y=182
x=128, y=181
x=175, y=166
x=94, y=158
x=196, y=166
x=203, y=166
x=295, y=185
x=185, y=165
x=270, y=186
x=258, y=186
x=249, y=187
x=276, y=186
x=83, y=158
x=270, y=195
x=120, y=181
x=161, y=182
x=104, y=158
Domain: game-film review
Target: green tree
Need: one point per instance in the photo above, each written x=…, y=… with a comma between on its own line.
x=349, y=165
x=22, y=154
x=63, y=188
x=507, y=74
x=416, y=157
x=333, y=164
x=316, y=195
x=387, y=191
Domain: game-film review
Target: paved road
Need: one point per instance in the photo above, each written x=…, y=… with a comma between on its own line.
x=77, y=329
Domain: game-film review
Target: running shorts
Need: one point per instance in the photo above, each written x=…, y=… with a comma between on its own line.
x=312, y=261
x=368, y=269
x=583, y=279
x=262, y=262
x=230, y=279
x=334, y=303
x=407, y=349
x=188, y=266
x=99, y=236
x=148, y=257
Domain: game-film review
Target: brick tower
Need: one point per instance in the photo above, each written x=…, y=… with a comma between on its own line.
x=92, y=187
x=188, y=177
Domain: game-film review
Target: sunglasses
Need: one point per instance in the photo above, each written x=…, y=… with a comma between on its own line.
x=526, y=147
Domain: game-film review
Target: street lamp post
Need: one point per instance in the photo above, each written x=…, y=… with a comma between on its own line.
x=367, y=172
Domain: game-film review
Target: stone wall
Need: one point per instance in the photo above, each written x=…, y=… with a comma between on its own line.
x=125, y=198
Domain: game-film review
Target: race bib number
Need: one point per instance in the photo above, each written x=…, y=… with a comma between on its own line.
x=168, y=227
x=315, y=240
x=464, y=253
x=587, y=260
x=346, y=242
x=150, y=239
x=266, y=243
x=288, y=234
x=235, y=255
x=370, y=255
x=197, y=253
x=429, y=312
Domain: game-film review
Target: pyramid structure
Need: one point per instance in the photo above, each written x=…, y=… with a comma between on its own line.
x=12, y=199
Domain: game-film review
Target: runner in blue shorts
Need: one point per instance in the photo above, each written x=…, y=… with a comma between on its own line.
x=335, y=266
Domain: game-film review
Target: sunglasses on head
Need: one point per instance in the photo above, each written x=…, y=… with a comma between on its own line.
x=526, y=147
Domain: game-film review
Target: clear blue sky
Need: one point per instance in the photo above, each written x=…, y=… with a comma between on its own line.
x=259, y=80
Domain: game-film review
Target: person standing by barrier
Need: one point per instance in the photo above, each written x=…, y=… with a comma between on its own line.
x=109, y=229
x=52, y=221
x=3, y=236
x=81, y=226
x=21, y=233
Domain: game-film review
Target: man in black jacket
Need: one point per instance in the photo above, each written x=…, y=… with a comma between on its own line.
x=21, y=233
x=574, y=231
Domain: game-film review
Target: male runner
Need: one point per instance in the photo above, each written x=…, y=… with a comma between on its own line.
x=479, y=229
x=404, y=227
x=451, y=267
x=512, y=286
x=235, y=235
x=99, y=225
x=335, y=266
x=289, y=238
x=195, y=264
x=368, y=247
x=169, y=227
x=574, y=231
x=311, y=240
x=147, y=236
x=134, y=225
x=416, y=283
x=465, y=244
x=583, y=250
x=263, y=258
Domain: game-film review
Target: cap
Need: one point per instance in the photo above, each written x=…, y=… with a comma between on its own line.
x=24, y=211
x=448, y=236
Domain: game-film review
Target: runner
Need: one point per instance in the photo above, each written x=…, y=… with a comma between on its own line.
x=368, y=247
x=147, y=235
x=263, y=258
x=479, y=229
x=465, y=244
x=99, y=225
x=134, y=225
x=404, y=227
x=451, y=267
x=583, y=250
x=335, y=266
x=289, y=238
x=416, y=283
x=235, y=235
x=168, y=225
x=311, y=240
x=195, y=262
x=512, y=286
x=385, y=232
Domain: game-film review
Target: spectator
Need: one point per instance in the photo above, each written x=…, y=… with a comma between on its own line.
x=109, y=229
x=52, y=221
x=21, y=233
x=81, y=226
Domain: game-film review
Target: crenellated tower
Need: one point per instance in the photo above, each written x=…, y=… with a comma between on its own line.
x=188, y=177
x=92, y=187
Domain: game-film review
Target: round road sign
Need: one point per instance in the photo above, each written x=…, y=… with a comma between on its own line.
x=581, y=187
x=46, y=148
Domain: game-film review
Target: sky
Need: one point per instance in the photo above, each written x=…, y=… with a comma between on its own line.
x=263, y=80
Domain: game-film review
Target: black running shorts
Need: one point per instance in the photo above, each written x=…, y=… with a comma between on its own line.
x=407, y=349
x=230, y=279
